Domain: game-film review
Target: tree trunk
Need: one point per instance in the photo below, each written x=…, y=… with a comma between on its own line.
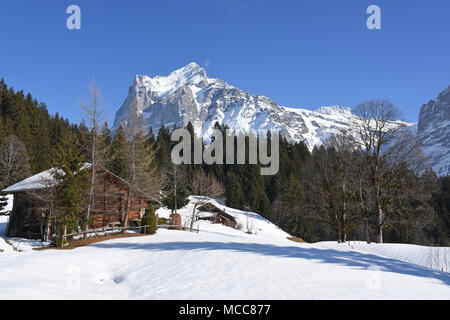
x=367, y=229
x=88, y=213
x=48, y=228
x=93, y=162
x=91, y=198
x=344, y=207
x=63, y=240
x=46, y=233
x=380, y=225
x=127, y=210
x=339, y=232
x=342, y=233
x=175, y=187
x=193, y=217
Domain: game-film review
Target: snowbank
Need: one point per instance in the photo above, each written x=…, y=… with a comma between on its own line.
x=431, y=257
x=217, y=263
x=9, y=205
x=3, y=223
x=220, y=262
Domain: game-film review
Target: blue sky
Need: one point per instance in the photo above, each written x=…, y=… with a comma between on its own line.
x=299, y=53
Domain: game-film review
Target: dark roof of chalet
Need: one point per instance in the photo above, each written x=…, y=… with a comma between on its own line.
x=209, y=207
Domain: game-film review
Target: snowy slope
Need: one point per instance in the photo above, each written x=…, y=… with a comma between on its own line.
x=257, y=225
x=324, y=122
x=432, y=257
x=216, y=263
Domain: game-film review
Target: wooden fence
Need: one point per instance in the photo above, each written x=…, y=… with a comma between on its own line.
x=105, y=230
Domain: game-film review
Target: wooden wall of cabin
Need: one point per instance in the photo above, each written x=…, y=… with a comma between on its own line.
x=27, y=218
x=110, y=202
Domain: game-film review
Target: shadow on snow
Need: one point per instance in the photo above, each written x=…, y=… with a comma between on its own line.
x=345, y=258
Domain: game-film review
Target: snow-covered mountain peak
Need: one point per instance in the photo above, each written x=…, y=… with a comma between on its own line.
x=188, y=95
x=160, y=86
x=191, y=74
x=334, y=110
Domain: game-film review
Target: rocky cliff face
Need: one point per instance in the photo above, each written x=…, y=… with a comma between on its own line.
x=188, y=95
x=434, y=132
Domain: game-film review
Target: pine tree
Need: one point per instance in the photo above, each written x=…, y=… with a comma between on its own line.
x=234, y=192
x=163, y=143
x=151, y=138
x=118, y=163
x=71, y=180
x=149, y=219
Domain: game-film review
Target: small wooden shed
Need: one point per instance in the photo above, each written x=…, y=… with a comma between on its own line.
x=219, y=215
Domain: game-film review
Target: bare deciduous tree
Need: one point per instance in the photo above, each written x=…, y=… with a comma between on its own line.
x=175, y=178
x=403, y=157
x=144, y=175
x=96, y=146
x=14, y=161
x=331, y=182
x=343, y=147
x=204, y=187
x=386, y=147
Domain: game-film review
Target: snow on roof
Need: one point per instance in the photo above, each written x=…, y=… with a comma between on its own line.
x=39, y=181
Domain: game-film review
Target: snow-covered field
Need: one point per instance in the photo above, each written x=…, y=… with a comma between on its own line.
x=433, y=257
x=222, y=263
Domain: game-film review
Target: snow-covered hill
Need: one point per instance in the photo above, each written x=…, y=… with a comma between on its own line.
x=247, y=221
x=431, y=257
x=219, y=263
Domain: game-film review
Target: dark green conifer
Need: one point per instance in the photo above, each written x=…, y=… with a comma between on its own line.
x=118, y=163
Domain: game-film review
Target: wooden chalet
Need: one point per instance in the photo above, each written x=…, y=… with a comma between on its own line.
x=31, y=216
x=218, y=215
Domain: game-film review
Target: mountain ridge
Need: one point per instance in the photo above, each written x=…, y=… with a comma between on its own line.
x=189, y=95
x=434, y=131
